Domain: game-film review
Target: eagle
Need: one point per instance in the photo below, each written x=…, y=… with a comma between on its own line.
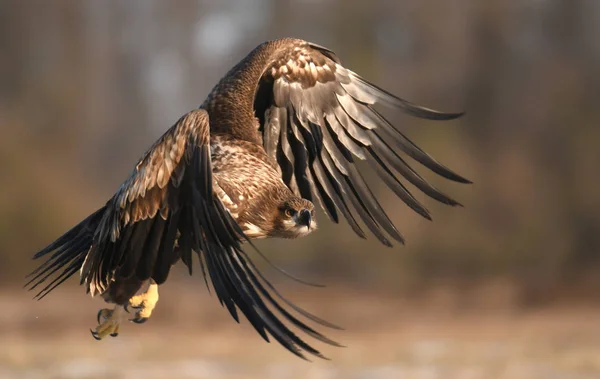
x=281, y=131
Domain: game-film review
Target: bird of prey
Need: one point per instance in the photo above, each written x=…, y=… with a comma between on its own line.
x=279, y=132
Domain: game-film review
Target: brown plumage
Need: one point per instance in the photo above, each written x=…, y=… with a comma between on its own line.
x=281, y=129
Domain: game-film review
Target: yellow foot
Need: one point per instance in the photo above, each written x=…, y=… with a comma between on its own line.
x=108, y=323
x=144, y=304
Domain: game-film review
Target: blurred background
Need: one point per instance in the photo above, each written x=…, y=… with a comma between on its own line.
x=506, y=287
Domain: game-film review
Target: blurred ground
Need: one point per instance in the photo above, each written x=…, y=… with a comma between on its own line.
x=191, y=336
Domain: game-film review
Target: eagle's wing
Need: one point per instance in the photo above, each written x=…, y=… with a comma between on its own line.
x=167, y=199
x=317, y=118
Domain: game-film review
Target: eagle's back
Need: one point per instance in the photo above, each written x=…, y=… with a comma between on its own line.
x=230, y=104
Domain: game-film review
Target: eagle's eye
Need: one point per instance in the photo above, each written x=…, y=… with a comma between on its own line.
x=289, y=212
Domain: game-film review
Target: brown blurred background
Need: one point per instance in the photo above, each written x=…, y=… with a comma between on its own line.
x=506, y=287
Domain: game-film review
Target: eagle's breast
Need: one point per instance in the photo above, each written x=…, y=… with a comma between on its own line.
x=244, y=180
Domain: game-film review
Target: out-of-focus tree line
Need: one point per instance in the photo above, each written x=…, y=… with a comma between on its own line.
x=86, y=87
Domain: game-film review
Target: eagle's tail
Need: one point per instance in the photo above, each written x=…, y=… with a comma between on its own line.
x=70, y=251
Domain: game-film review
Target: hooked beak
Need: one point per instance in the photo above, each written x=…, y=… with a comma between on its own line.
x=304, y=218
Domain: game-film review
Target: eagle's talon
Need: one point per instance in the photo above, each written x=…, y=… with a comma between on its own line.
x=103, y=313
x=139, y=320
x=129, y=307
x=95, y=335
x=108, y=323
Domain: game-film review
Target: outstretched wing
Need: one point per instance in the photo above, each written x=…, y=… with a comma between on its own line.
x=167, y=199
x=317, y=117
x=134, y=233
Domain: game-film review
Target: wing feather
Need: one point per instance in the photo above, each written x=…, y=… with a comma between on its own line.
x=330, y=122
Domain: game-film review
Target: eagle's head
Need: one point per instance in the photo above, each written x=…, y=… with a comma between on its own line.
x=290, y=217
x=294, y=218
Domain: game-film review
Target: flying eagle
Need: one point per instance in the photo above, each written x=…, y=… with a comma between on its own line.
x=280, y=131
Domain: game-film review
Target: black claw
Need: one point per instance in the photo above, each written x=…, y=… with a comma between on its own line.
x=114, y=334
x=95, y=335
x=127, y=306
x=139, y=320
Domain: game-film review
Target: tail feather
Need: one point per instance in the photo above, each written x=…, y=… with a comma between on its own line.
x=69, y=254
